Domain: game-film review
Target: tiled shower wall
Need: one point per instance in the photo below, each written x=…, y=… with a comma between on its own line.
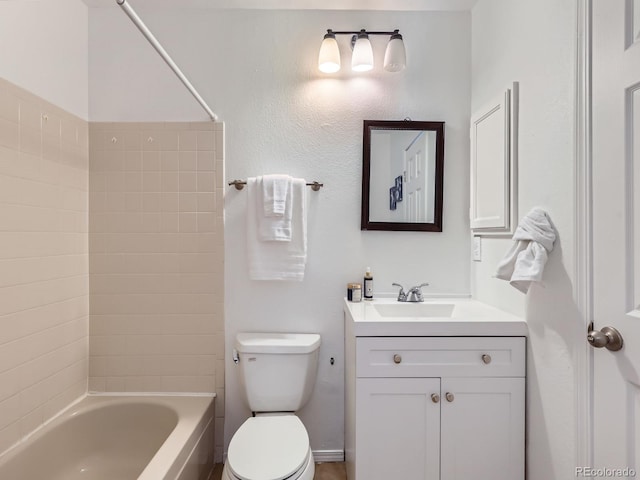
x=157, y=259
x=44, y=303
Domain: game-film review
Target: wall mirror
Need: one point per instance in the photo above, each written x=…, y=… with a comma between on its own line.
x=402, y=175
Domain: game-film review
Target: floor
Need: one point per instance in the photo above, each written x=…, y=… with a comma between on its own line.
x=324, y=471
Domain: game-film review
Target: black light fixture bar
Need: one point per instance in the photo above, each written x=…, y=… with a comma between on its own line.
x=356, y=32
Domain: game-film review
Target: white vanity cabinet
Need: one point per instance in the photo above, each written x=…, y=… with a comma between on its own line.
x=435, y=408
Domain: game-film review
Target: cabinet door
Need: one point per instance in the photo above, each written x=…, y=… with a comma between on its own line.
x=483, y=428
x=397, y=429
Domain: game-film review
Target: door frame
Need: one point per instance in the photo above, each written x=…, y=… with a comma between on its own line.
x=583, y=229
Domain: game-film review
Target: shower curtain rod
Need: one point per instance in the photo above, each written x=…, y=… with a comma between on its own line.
x=165, y=56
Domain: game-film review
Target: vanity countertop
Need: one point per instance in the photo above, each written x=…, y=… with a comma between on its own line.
x=386, y=317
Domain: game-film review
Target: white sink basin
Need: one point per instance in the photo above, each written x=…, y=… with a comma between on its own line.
x=414, y=309
x=436, y=316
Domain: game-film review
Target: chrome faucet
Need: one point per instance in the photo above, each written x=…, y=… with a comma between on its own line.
x=413, y=295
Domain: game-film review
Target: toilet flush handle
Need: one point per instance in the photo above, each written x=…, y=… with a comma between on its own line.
x=236, y=358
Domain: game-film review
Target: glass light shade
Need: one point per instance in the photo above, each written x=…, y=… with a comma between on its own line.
x=395, y=57
x=329, y=57
x=362, y=58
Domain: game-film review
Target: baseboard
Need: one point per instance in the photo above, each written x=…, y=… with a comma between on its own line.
x=322, y=456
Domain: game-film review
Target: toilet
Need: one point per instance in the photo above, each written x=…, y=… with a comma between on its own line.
x=277, y=373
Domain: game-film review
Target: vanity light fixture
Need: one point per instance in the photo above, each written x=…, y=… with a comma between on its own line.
x=329, y=58
x=362, y=57
x=395, y=58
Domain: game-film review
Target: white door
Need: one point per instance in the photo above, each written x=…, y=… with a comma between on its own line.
x=616, y=235
x=482, y=428
x=415, y=192
x=398, y=428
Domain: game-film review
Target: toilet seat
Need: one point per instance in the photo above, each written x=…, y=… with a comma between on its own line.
x=269, y=448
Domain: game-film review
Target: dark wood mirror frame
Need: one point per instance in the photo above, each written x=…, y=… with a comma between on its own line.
x=369, y=126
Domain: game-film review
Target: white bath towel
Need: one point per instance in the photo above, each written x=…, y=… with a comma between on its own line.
x=270, y=226
x=524, y=262
x=275, y=191
x=274, y=260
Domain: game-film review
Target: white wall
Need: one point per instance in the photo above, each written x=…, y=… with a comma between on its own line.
x=44, y=49
x=534, y=43
x=258, y=71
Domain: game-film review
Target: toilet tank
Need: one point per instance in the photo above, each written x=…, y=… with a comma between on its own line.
x=277, y=370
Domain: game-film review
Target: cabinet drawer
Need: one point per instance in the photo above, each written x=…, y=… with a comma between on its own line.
x=440, y=356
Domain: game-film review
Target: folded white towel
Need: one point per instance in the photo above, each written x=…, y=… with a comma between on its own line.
x=274, y=260
x=275, y=190
x=274, y=227
x=524, y=262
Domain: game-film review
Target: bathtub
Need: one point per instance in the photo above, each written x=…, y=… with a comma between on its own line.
x=106, y=437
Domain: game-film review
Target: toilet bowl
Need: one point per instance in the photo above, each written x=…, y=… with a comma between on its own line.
x=270, y=447
x=277, y=373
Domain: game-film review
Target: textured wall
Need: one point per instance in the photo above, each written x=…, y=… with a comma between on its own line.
x=534, y=43
x=44, y=303
x=258, y=70
x=45, y=50
x=157, y=258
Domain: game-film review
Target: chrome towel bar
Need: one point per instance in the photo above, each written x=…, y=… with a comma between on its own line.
x=239, y=184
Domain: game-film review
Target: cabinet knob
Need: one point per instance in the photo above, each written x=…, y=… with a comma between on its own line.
x=435, y=398
x=449, y=396
x=397, y=358
x=486, y=359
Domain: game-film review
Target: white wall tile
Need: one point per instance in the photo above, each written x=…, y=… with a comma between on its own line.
x=44, y=264
x=157, y=276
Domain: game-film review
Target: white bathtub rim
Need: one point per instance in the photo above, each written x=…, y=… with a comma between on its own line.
x=185, y=436
x=157, y=459
x=147, y=394
x=69, y=406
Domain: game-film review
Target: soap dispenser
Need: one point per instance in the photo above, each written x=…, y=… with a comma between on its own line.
x=368, y=285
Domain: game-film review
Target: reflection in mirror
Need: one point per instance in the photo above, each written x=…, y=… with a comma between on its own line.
x=402, y=175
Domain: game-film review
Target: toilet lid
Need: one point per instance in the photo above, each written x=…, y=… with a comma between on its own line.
x=268, y=448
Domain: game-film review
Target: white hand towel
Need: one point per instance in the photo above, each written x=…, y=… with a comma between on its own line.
x=272, y=227
x=524, y=262
x=273, y=260
x=275, y=190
